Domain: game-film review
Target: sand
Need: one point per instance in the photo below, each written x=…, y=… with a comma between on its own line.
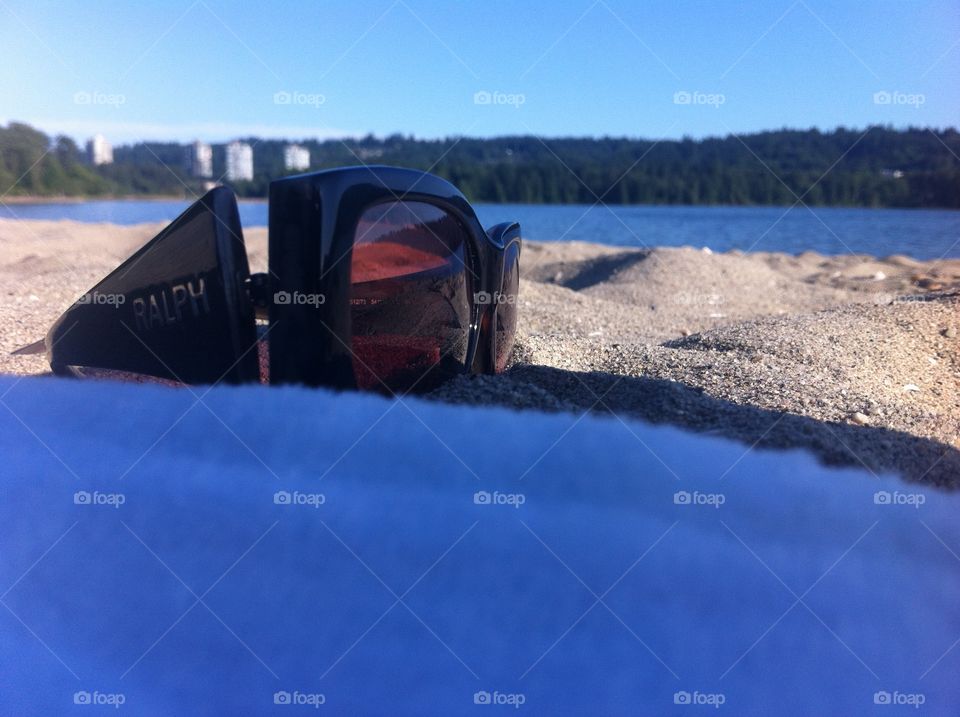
x=854, y=358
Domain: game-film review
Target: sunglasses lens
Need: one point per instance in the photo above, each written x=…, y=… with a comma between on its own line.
x=507, y=306
x=410, y=310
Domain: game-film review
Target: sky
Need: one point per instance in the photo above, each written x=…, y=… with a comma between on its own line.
x=215, y=69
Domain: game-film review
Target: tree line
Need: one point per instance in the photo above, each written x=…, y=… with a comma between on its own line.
x=876, y=167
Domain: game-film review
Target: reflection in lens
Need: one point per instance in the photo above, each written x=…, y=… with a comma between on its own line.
x=409, y=300
x=507, y=306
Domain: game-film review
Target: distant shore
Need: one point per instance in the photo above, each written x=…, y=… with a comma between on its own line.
x=897, y=168
x=80, y=199
x=75, y=199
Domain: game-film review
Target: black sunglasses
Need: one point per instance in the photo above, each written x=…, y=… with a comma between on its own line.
x=379, y=278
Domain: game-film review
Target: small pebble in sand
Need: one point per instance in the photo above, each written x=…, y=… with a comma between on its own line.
x=929, y=283
x=950, y=332
x=861, y=419
x=879, y=276
x=910, y=388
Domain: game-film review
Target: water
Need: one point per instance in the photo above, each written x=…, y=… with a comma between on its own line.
x=129, y=211
x=923, y=234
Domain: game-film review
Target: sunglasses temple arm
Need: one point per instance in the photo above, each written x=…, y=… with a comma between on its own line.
x=37, y=347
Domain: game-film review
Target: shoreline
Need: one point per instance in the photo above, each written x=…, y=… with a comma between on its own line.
x=79, y=199
x=73, y=199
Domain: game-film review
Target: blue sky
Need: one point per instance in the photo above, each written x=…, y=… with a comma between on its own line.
x=217, y=69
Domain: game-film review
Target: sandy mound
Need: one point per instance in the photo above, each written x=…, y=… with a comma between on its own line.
x=854, y=357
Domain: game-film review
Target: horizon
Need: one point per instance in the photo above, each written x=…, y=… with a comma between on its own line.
x=419, y=68
x=294, y=139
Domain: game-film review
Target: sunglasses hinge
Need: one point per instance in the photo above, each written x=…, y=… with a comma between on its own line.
x=258, y=289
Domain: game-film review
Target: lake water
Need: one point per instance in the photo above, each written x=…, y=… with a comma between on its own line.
x=923, y=234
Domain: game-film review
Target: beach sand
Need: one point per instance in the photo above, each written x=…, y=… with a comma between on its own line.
x=854, y=358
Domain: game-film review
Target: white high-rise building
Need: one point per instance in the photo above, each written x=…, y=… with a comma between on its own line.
x=99, y=150
x=239, y=162
x=200, y=159
x=296, y=157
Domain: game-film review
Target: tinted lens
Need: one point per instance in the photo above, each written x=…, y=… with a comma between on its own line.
x=507, y=306
x=409, y=302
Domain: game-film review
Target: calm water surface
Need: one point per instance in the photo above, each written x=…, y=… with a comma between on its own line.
x=924, y=234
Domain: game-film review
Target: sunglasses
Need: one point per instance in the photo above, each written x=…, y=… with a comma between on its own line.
x=379, y=278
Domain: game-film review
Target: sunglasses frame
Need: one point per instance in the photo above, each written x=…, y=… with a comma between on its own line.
x=189, y=301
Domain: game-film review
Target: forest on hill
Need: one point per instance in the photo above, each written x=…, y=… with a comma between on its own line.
x=876, y=167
